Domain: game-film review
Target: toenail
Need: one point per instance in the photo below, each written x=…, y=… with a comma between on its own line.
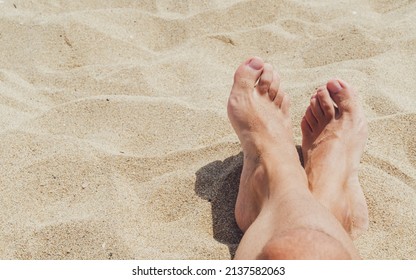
x=336, y=87
x=255, y=63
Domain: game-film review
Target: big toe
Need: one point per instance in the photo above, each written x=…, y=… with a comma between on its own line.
x=342, y=94
x=247, y=74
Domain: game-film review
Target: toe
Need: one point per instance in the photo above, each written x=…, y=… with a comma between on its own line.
x=278, y=100
x=266, y=79
x=274, y=86
x=326, y=103
x=342, y=94
x=316, y=109
x=247, y=75
x=310, y=118
x=282, y=101
x=285, y=103
x=305, y=127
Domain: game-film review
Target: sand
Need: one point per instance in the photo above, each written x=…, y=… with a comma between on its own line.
x=114, y=137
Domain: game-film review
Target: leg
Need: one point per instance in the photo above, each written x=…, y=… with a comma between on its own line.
x=333, y=142
x=278, y=214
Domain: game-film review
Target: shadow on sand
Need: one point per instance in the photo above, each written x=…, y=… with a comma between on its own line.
x=218, y=183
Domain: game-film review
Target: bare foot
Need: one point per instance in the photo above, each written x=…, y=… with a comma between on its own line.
x=333, y=142
x=259, y=113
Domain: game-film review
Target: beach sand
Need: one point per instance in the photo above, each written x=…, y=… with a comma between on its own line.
x=114, y=136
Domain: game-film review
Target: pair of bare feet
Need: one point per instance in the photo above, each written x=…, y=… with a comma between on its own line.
x=277, y=196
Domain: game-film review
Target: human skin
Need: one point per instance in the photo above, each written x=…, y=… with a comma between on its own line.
x=283, y=213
